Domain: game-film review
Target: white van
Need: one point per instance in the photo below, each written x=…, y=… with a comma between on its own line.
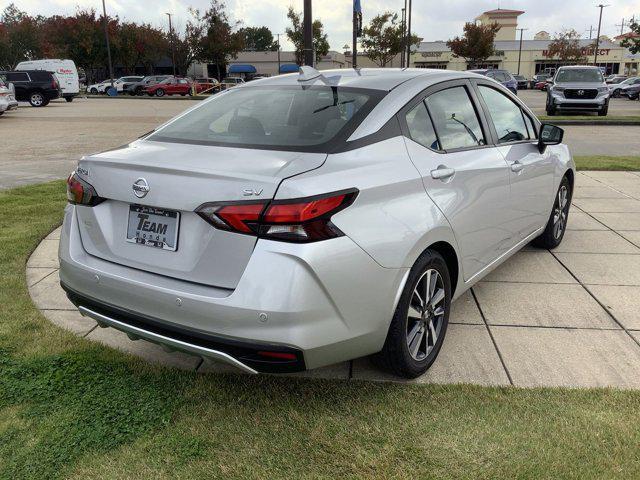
x=64, y=70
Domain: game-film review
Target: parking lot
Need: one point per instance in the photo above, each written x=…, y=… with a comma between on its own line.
x=46, y=143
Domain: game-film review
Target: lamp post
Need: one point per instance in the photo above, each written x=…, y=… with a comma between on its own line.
x=520, y=47
x=308, y=34
x=408, y=63
x=278, y=34
x=403, y=27
x=595, y=58
x=173, y=55
x=106, y=36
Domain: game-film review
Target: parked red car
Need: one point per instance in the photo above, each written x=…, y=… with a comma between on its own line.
x=208, y=85
x=170, y=86
x=541, y=85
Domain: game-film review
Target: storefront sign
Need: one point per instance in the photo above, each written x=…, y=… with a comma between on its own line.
x=431, y=54
x=586, y=51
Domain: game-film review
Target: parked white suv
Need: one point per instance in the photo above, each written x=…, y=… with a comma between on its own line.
x=578, y=88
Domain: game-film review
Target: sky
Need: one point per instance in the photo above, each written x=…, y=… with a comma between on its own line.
x=431, y=20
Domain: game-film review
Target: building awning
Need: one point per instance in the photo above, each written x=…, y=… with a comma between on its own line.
x=240, y=68
x=289, y=68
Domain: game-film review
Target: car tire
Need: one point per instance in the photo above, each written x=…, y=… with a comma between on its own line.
x=604, y=111
x=416, y=333
x=37, y=99
x=93, y=91
x=557, y=223
x=69, y=99
x=616, y=93
x=160, y=92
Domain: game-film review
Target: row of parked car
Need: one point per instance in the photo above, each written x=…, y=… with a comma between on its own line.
x=161, y=85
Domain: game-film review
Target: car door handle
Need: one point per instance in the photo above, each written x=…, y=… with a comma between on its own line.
x=516, y=167
x=442, y=173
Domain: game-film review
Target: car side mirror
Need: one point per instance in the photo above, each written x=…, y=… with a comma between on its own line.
x=549, y=135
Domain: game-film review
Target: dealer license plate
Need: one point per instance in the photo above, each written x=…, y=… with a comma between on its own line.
x=153, y=227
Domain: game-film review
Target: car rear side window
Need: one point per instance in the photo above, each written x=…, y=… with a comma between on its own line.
x=507, y=117
x=455, y=119
x=287, y=117
x=420, y=127
x=17, y=77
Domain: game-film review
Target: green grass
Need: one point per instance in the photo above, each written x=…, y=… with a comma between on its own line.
x=73, y=409
x=608, y=118
x=603, y=162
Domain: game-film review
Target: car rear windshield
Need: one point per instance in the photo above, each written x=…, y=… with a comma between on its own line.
x=273, y=117
x=579, y=75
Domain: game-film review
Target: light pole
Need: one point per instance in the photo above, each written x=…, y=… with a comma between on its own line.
x=520, y=47
x=595, y=58
x=403, y=26
x=278, y=34
x=408, y=64
x=173, y=55
x=106, y=36
x=308, y=33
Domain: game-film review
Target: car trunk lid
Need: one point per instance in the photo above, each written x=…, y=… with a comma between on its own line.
x=180, y=178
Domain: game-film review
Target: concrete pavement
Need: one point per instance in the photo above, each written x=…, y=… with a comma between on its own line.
x=568, y=317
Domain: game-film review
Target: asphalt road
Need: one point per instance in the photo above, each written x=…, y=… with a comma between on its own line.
x=41, y=144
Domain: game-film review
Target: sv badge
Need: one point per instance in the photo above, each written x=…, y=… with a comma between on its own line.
x=250, y=192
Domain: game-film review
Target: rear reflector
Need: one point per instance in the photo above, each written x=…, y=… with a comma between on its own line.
x=300, y=220
x=278, y=355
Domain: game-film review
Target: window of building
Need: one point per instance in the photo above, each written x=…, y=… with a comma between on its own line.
x=455, y=119
x=506, y=116
x=420, y=127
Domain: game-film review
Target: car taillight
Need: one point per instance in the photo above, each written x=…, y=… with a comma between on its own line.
x=300, y=220
x=80, y=192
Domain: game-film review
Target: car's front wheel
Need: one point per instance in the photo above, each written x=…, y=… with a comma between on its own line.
x=160, y=92
x=420, y=321
x=557, y=223
x=616, y=93
x=93, y=91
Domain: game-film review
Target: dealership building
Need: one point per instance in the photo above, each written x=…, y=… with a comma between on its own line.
x=534, y=55
x=532, y=58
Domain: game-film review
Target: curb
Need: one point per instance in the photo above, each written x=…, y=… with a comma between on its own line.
x=592, y=122
x=146, y=97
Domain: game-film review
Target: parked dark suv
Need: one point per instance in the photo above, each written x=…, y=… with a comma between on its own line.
x=34, y=86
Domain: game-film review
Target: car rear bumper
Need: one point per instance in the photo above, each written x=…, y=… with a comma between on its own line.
x=325, y=302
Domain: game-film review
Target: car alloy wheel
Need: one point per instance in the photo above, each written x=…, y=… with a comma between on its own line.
x=560, y=212
x=36, y=99
x=160, y=92
x=425, y=315
x=93, y=91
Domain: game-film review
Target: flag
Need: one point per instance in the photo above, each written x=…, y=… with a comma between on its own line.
x=356, y=6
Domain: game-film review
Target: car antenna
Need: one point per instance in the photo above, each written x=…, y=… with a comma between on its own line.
x=309, y=73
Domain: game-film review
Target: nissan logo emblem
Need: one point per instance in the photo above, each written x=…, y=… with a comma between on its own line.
x=140, y=188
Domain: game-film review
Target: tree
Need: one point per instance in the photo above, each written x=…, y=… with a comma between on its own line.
x=476, y=45
x=19, y=37
x=258, y=39
x=220, y=41
x=382, y=39
x=632, y=40
x=295, y=34
x=566, y=47
x=189, y=47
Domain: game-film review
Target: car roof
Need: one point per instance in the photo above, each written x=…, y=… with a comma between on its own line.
x=578, y=67
x=371, y=78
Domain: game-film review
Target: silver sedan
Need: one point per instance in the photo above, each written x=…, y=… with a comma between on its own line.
x=307, y=219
